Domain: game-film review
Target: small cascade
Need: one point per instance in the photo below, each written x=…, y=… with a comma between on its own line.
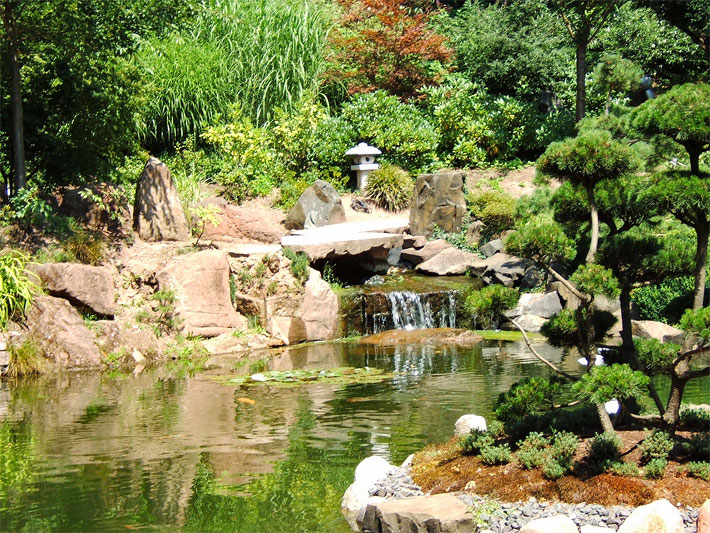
x=380, y=311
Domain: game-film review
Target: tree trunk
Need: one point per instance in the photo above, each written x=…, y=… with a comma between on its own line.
x=694, y=156
x=581, y=104
x=594, y=213
x=672, y=414
x=702, y=231
x=604, y=418
x=18, y=136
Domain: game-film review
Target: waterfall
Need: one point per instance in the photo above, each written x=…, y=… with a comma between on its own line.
x=409, y=310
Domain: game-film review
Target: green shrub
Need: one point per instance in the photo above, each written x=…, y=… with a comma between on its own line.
x=17, y=288
x=619, y=468
x=604, y=449
x=665, y=301
x=552, y=469
x=299, y=264
x=699, y=469
x=529, y=396
x=86, y=246
x=390, y=187
x=486, y=306
x=493, y=207
x=495, y=428
x=496, y=455
x=457, y=240
x=578, y=419
x=656, y=468
x=475, y=441
x=698, y=446
x=695, y=419
x=657, y=445
x=564, y=445
x=561, y=329
x=161, y=316
x=532, y=450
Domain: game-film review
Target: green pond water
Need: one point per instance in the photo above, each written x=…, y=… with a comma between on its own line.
x=165, y=451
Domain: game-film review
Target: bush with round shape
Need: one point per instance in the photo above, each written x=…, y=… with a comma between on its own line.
x=391, y=187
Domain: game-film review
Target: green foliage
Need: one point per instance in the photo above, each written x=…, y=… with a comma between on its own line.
x=541, y=240
x=29, y=207
x=591, y=278
x=614, y=75
x=532, y=450
x=698, y=446
x=558, y=460
x=299, y=264
x=697, y=322
x=698, y=469
x=25, y=359
x=496, y=455
x=528, y=396
x=85, y=246
x=487, y=305
x=655, y=356
x=161, y=316
x=656, y=468
x=664, y=301
x=403, y=134
x=475, y=441
x=587, y=159
x=493, y=207
x=562, y=329
x=457, y=240
x=604, y=383
x=657, y=445
x=202, y=215
x=695, y=419
x=604, y=450
x=188, y=355
x=619, y=468
x=390, y=187
x=17, y=287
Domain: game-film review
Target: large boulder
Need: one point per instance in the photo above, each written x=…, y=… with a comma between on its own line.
x=660, y=516
x=319, y=205
x=501, y=269
x=368, y=472
x=98, y=206
x=62, y=333
x=649, y=329
x=492, y=247
x=443, y=513
x=704, y=518
x=449, y=262
x=320, y=309
x=438, y=201
x=466, y=423
x=84, y=286
x=539, y=304
x=201, y=285
x=242, y=224
x=157, y=211
x=416, y=256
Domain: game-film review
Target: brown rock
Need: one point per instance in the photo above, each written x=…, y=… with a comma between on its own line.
x=443, y=513
x=660, y=516
x=201, y=285
x=157, y=211
x=290, y=330
x=449, y=262
x=474, y=233
x=319, y=205
x=319, y=310
x=82, y=285
x=242, y=224
x=438, y=201
x=704, y=518
x=424, y=253
x=62, y=333
x=112, y=336
x=111, y=213
x=648, y=329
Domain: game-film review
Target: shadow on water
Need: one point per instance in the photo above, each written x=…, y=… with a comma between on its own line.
x=87, y=452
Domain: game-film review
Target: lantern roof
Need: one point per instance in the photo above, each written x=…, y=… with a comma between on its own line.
x=363, y=149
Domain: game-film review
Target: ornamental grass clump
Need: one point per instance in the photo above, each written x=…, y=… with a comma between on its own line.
x=390, y=187
x=17, y=287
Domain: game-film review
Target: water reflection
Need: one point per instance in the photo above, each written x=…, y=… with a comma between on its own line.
x=89, y=452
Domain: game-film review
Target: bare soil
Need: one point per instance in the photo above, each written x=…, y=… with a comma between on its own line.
x=443, y=468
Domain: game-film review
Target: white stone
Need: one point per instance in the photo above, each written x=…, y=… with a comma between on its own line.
x=558, y=523
x=372, y=469
x=258, y=377
x=660, y=516
x=466, y=423
x=595, y=529
x=138, y=357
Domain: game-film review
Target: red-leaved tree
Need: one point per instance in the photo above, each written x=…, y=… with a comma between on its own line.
x=387, y=44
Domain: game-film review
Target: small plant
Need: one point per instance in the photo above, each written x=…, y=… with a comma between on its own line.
x=161, y=316
x=656, y=468
x=486, y=306
x=553, y=469
x=698, y=447
x=604, y=450
x=115, y=358
x=255, y=327
x=496, y=455
x=299, y=264
x=188, y=354
x=25, y=359
x=532, y=450
x=656, y=446
x=559, y=456
x=86, y=246
x=331, y=278
x=17, y=287
x=483, y=511
x=457, y=240
x=475, y=441
x=699, y=469
x=697, y=419
x=202, y=215
x=390, y=187
x=619, y=468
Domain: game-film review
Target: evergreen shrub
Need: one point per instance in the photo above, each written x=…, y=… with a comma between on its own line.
x=391, y=187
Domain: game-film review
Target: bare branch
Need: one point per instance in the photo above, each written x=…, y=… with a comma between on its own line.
x=541, y=358
x=566, y=283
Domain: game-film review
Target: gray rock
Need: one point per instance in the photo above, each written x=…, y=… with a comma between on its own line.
x=492, y=247
x=438, y=201
x=319, y=205
x=648, y=329
x=449, y=262
x=558, y=524
x=82, y=285
x=466, y=423
x=545, y=306
x=157, y=212
x=443, y=513
x=474, y=232
x=569, y=300
x=532, y=279
x=416, y=256
x=530, y=323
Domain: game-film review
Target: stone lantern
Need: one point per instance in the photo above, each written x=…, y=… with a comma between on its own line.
x=364, y=158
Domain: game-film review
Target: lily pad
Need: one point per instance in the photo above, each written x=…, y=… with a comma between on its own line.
x=295, y=378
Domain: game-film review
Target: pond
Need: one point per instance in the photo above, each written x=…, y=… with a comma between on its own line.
x=165, y=451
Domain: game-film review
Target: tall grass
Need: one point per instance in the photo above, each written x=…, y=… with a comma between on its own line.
x=17, y=289
x=260, y=55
